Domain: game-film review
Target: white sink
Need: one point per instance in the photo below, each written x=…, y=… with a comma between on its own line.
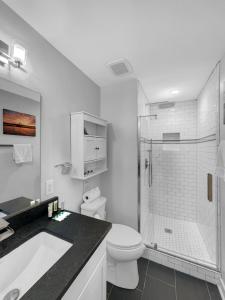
x=2, y=214
x=25, y=265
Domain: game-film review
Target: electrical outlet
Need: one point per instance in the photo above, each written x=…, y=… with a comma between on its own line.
x=49, y=187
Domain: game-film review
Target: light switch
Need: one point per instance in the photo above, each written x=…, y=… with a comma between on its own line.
x=49, y=187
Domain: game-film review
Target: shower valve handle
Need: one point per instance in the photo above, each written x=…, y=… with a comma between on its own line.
x=147, y=164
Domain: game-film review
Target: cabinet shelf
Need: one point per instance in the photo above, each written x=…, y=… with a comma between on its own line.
x=93, y=174
x=94, y=136
x=88, y=151
x=94, y=160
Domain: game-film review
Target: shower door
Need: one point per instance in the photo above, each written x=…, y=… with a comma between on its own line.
x=177, y=184
x=145, y=178
x=146, y=224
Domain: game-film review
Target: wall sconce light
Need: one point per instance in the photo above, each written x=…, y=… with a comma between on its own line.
x=3, y=60
x=4, y=50
x=18, y=58
x=19, y=55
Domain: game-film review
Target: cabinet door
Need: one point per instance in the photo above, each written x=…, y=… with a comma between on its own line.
x=95, y=288
x=90, y=284
x=101, y=148
x=89, y=149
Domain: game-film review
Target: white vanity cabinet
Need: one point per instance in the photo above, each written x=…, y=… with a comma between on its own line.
x=91, y=282
x=88, y=145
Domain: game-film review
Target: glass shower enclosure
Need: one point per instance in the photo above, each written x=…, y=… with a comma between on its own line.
x=178, y=188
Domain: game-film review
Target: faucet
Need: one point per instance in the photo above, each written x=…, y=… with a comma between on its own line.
x=5, y=230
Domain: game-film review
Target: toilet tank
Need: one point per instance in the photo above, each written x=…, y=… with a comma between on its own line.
x=95, y=209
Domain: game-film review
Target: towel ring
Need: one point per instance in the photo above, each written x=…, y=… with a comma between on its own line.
x=66, y=167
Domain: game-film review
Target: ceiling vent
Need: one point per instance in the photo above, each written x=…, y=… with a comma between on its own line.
x=120, y=67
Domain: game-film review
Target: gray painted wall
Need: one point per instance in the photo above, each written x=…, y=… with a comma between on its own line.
x=64, y=88
x=119, y=184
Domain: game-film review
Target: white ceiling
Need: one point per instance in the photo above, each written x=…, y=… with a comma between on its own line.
x=171, y=44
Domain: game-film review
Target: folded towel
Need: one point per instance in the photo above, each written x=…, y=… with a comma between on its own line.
x=220, y=165
x=92, y=195
x=22, y=153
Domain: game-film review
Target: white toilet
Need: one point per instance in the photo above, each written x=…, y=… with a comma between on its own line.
x=124, y=247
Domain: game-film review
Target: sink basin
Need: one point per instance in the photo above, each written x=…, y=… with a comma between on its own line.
x=25, y=265
x=2, y=214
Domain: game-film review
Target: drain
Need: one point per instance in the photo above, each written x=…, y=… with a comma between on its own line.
x=168, y=230
x=12, y=295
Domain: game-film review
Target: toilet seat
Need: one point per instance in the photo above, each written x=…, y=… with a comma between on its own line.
x=123, y=237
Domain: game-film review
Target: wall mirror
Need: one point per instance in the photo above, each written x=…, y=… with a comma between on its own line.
x=20, y=155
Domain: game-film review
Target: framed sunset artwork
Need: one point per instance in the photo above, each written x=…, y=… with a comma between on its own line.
x=17, y=123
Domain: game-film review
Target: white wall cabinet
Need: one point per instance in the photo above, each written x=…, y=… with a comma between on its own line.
x=90, y=152
x=88, y=145
x=101, y=148
x=94, y=148
x=91, y=282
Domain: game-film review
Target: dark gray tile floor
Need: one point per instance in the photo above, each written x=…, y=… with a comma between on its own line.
x=161, y=283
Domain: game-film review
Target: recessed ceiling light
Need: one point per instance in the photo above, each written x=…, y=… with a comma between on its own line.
x=175, y=92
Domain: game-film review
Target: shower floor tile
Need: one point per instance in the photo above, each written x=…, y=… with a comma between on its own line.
x=178, y=237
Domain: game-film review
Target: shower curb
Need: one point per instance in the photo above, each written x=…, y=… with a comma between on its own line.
x=184, y=266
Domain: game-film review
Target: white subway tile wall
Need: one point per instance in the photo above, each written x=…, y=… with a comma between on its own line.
x=173, y=193
x=174, y=190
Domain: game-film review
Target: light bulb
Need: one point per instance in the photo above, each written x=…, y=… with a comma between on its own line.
x=3, y=60
x=19, y=54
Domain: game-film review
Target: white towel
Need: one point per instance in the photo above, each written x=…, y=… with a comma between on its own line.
x=91, y=195
x=22, y=153
x=220, y=165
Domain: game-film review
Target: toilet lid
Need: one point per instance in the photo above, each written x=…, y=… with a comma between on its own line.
x=122, y=236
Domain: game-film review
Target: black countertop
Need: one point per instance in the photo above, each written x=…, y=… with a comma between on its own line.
x=15, y=205
x=83, y=232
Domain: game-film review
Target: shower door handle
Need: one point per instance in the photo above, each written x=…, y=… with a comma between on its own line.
x=146, y=164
